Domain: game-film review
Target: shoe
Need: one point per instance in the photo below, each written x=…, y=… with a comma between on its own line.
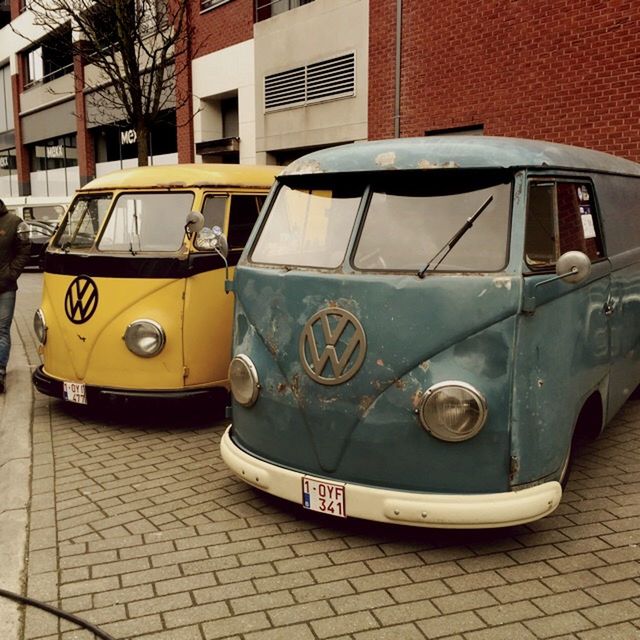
x=2, y=385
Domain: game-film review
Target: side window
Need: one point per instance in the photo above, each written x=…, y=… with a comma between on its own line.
x=242, y=216
x=576, y=220
x=561, y=217
x=213, y=211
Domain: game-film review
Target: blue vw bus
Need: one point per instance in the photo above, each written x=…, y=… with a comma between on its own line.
x=424, y=327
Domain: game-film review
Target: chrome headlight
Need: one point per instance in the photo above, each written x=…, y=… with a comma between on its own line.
x=453, y=411
x=243, y=378
x=40, y=326
x=145, y=338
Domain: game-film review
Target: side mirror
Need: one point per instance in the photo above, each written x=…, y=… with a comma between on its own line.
x=222, y=247
x=212, y=240
x=195, y=222
x=573, y=267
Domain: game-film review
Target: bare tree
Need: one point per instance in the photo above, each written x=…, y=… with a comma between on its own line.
x=132, y=52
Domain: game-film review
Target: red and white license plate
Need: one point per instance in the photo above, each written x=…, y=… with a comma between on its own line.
x=324, y=497
x=74, y=392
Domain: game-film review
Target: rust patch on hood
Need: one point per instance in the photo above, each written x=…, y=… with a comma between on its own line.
x=302, y=167
x=386, y=160
x=295, y=385
x=365, y=403
x=428, y=164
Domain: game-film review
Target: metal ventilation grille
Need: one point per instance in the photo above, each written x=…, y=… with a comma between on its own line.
x=285, y=88
x=331, y=78
x=334, y=78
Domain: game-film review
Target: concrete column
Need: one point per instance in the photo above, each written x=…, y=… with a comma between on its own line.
x=22, y=157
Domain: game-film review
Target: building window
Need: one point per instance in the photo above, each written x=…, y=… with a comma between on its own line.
x=205, y=5
x=8, y=174
x=56, y=153
x=118, y=141
x=268, y=8
x=53, y=166
x=5, y=13
x=324, y=80
x=50, y=59
x=35, y=71
x=6, y=100
x=469, y=130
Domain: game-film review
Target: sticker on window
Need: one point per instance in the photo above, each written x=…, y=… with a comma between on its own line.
x=588, y=228
x=583, y=193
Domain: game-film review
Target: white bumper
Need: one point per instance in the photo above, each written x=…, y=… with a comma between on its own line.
x=447, y=511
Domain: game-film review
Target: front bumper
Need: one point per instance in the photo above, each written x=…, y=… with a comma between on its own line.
x=444, y=511
x=100, y=395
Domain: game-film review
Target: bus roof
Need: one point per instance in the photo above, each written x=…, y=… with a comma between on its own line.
x=457, y=152
x=186, y=175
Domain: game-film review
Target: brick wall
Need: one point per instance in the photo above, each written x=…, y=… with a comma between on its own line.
x=566, y=71
x=218, y=28
x=221, y=27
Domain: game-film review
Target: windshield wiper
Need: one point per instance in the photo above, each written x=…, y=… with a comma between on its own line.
x=136, y=234
x=455, y=239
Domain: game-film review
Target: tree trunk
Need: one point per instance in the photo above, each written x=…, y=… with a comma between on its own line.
x=142, y=134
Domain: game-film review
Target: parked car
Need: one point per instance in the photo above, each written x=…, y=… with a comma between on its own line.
x=134, y=304
x=39, y=234
x=425, y=328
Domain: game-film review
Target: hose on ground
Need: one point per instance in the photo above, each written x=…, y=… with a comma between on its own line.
x=56, y=612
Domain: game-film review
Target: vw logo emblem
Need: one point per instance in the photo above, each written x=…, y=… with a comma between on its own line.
x=81, y=299
x=332, y=346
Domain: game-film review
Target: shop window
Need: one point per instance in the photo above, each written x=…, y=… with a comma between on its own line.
x=118, y=141
x=8, y=175
x=55, y=153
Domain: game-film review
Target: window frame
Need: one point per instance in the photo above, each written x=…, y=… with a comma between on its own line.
x=131, y=194
x=210, y=5
x=595, y=215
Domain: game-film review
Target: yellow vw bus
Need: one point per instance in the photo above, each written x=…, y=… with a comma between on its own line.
x=133, y=301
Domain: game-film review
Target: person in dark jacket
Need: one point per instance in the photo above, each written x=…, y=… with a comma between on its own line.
x=14, y=255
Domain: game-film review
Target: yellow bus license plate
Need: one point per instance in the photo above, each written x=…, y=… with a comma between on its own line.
x=74, y=392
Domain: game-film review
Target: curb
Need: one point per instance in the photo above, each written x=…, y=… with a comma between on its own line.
x=16, y=407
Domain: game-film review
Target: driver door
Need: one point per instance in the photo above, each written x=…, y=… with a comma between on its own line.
x=563, y=345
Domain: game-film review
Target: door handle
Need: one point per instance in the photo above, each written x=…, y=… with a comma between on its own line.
x=608, y=308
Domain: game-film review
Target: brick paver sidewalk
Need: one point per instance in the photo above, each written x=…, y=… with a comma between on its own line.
x=137, y=525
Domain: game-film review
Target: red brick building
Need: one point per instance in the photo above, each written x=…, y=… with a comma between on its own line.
x=269, y=80
x=560, y=71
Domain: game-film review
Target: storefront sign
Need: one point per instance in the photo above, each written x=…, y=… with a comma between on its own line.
x=56, y=151
x=128, y=137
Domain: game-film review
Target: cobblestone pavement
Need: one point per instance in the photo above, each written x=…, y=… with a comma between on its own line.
x=137, y=526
